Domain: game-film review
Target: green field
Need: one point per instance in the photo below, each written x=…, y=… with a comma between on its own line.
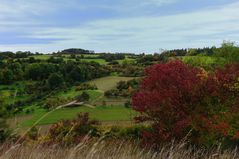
x=100, y=61
x=126, y=60
x=67, y=57
x=41, y=57
x=101, y=113
x=107, y=83
x=85, y=55
x=72, y=93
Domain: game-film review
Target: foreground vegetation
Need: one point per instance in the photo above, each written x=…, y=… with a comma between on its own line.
x=114, y=150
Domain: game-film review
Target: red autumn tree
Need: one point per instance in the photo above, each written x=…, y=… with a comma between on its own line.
x=176, y=98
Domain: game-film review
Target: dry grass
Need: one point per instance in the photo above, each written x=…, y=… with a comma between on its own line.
x=110, y=150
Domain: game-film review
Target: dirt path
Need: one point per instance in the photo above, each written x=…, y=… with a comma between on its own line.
x=73, y=103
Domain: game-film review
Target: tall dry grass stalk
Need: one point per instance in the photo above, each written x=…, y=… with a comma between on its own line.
x=41, y=118
x=103, y=149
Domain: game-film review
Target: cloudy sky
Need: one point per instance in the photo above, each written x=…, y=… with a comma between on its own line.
x=116, y=25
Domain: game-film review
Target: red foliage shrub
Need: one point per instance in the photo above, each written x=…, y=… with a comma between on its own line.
x=176, y=98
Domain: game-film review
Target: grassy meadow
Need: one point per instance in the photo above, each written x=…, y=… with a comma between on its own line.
x=100, y=113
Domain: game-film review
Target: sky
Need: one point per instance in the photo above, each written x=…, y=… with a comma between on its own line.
x=116, y=25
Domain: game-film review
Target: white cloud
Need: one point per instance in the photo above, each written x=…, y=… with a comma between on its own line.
x=142, y=34
x=133, y=7
x=158, y=2
x=23, y=10
x=17, y=8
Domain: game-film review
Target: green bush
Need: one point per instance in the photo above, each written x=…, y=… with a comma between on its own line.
x=83, y=97
x=133, y=132
x=73, y=131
